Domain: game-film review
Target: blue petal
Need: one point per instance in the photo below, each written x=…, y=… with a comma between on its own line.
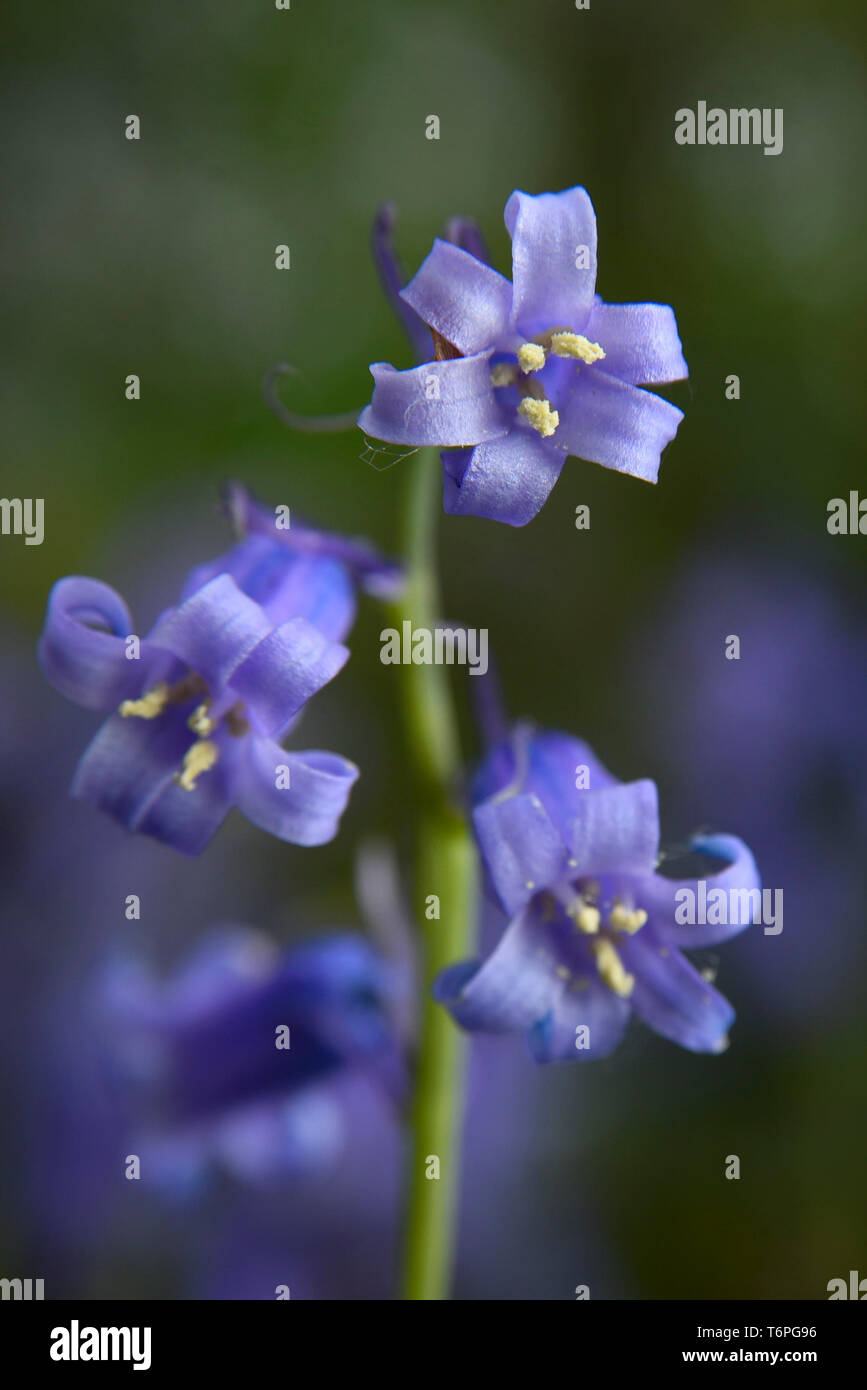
x=672, y=998
x=546, y=764
x=540, y=979
x=466, y=301
x=606, y=421
x=591, y=1006
x=441, y=403
x=128, y=772
x=616, y=829
x=640, y=341
x=286, y=668
x=308, y=810
x=84, y=663
x=551, y=289
x=373, y=572
x=213, y=631
x=286, y=584
x=741, y=875
x=507, y=479
x=521, y=849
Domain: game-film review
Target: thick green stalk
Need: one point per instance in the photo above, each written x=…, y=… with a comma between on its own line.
x=445, y=870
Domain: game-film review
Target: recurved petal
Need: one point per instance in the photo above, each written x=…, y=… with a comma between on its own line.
x=284, y=671
x=553, y=235
x=507, y=479
x=617, y=425
x=83, y=647
x=521, y=849
x=449, y=403
x=466, y=301
x=672, y=998
x=298, y=797
x=663, y=898
x=616, y=829
x=213, y=631
x=640, y=341
x=128, y=772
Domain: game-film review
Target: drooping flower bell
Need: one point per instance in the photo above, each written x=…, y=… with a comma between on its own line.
x=201, y=703
x=572, y=856
x=236, y=1059
x=528, y=372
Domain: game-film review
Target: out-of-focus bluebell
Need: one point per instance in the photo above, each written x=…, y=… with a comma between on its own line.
x=229, y=1061
x=202, y=702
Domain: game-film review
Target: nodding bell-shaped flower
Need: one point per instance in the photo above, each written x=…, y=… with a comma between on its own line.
x=198, y=707
x=594, y=932
x=527, y=372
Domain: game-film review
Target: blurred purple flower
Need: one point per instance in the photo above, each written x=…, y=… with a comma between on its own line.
x=516, y=384
x=572, y=855
x=230, y=1062
x=204, y=699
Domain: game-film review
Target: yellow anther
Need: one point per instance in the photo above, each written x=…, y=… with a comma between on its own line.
x=200, y=721
x=563, y=973
x=531, y=357
x=149, y=706
x=539, y=415
x=504, y=374
x=199, y=757
x=621, y=919
x=610, y=967
x=586, y=918
x=576, y=345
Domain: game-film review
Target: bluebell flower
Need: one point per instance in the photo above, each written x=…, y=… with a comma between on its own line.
x=529, y=372
x=572, y=856
x=231, y=1062
x=198, y=707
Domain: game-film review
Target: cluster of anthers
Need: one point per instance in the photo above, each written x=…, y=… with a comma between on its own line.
x=535, y=408
x=205, y=719
x=582, y=908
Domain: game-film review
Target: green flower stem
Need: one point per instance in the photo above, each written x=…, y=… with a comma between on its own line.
x=445, y=866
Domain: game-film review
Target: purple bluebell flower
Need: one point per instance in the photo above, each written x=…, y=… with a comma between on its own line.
x=200, y=705
x=572, y=856
x=230, y=1062
x=529, y=372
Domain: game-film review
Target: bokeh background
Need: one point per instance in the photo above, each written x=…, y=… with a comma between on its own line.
x=156, y=257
